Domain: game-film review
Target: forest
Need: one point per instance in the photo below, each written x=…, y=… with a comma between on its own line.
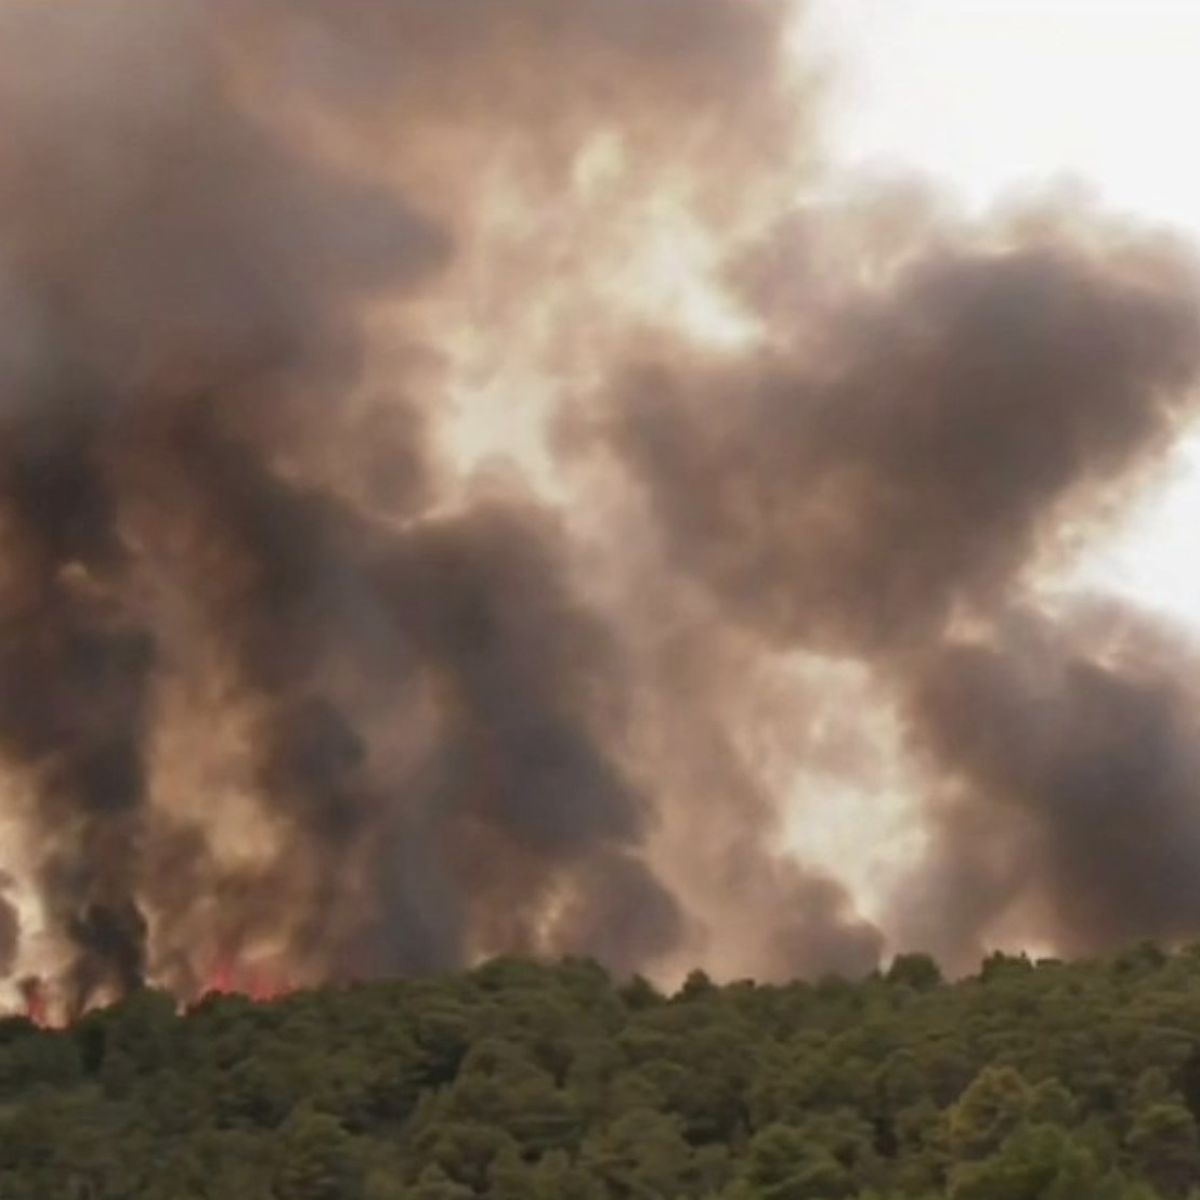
x=1031, y=1080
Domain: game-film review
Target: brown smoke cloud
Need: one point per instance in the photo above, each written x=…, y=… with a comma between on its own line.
x=888, y=480
x=1067, y=751
x=261, y=696
x=905, y=465
x=287, y=688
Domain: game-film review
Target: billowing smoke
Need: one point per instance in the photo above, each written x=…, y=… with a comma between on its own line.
x=1068, y=754
x=887, y=486
x=298, y=683
x=273, y=688
x=902, y=470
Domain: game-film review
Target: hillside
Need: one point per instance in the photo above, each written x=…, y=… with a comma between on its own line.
x=521, y=1082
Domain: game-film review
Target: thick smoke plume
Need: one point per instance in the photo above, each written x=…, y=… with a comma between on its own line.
x=296, y=683
x=892, y=495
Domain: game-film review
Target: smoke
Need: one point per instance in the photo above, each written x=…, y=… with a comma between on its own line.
x=889, y=482
x=10, y=931
x=1072, y=747
x=858, y=494
x=264, y=695
x=298, y=682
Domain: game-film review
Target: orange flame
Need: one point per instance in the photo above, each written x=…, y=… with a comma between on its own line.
x=256, y=981
x=33, y=993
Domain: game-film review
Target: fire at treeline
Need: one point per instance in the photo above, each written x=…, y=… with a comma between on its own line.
x=470, y=471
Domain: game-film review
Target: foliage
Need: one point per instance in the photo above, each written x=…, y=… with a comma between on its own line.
x=1031, y=1081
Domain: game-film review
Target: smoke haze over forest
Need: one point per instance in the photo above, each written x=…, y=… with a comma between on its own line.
x=302, y=679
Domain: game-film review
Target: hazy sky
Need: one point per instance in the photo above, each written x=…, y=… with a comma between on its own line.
x=995, y=95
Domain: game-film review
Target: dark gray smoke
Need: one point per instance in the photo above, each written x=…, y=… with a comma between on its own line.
x=10, y=931
x=283, y=691
x=890, y=488
x=1072, y=747
x=858, y=494
x=217, y=492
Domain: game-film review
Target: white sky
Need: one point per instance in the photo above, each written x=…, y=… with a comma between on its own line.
x=992, y=95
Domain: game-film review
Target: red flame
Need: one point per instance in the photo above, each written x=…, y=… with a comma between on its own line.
x=220, y=981
x=257, y=982
x=34, y=996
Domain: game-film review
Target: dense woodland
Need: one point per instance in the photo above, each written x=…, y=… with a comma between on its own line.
x=525, y=1082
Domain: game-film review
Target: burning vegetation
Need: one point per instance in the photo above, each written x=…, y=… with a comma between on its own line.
x=300, y=682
